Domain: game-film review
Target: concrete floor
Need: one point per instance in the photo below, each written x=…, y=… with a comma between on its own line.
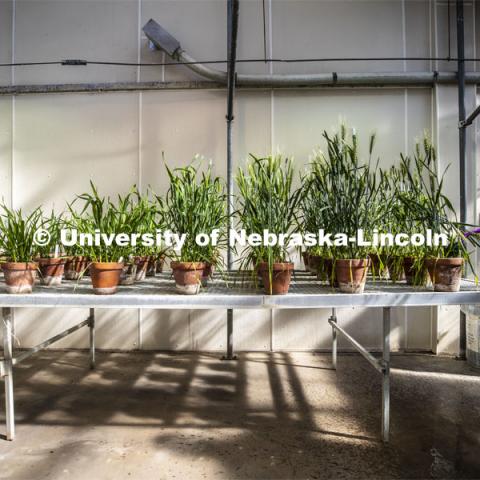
x=281, y=415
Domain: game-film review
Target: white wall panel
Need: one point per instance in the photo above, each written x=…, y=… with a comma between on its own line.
x=104, y=30
x=63, y=141
x=6, y=8
x=337, y=28
x=5, y=148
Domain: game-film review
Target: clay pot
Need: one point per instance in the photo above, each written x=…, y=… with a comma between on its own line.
x=188, y=276
x=207, y=273
x=105, y=277
x=160, y=264
x=151, y=266
x=19, y=276
x=281, y=277
x=395, y=269
x=445, y=273
x=305, y=260
x=142, y=266
x=128, y=275
x=75, y=267
x=413, y=276
x=314, y=263
x=352, y=274
x=51, y=270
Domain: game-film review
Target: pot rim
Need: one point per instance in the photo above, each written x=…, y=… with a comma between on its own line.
x=187, y=265
x=354, y=262
x=445, y=261
x=276, y=266
x=107, y=265
x=19, y=266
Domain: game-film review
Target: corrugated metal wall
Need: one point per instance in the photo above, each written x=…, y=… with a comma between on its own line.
x=51, y=146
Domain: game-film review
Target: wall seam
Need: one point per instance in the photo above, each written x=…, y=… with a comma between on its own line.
x=272, y=137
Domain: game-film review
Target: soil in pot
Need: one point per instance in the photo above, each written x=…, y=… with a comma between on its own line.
x=142, y=267
x=207, y=273
x=188, y=276
x=105, y=277
x=414, y=275
x=51, y=270
x=305, y=260
x=445, y=273
x=75, y=267
x=352, y=274
x=314, y=263
x=129, y=271
x=280, y=278
x=19, y=276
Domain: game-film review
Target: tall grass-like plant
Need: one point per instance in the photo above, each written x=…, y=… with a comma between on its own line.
x=17, y=233
x=267, y=200
x=53, y=224
x=195, y=204
x=346, y=191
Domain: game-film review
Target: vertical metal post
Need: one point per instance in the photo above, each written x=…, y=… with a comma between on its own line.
x=8, y=373
x=386, y=375
x=462, y=146
x=232, y=30
x=91, y=327
x=333, y=318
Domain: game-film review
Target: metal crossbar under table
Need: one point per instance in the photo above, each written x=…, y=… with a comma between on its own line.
x=229, y=291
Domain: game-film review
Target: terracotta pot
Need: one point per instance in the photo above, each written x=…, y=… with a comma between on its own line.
x=142, y=266
x=281, y=277
x=329, y=272
x=75, y=267
x=395, y=269
x=188, y=276
x=352, y=274
x=19, y=276
x=305, y=260
x=207, y=273
x=151, y=266
x=128, y=275
x=314, y=263
x=105, y=277
x=51, y=270
x=415, y=277
x=445, y=273
x=160, y=264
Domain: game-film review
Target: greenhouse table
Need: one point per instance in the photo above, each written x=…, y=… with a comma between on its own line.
x=228, y=291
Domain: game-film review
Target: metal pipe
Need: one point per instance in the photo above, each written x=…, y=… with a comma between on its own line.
x=469, y=120
x=386, y=375
x=462, y=140
x=233, y=8
x=91, y=326
x=333, y=318
x=327, y=80
x=377, y=364
x=8, y=373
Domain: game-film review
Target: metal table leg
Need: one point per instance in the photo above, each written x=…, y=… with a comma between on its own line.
x=386, y=375
x=333, y=318
x=229, y=355
x=91, y=326
x=8, y=373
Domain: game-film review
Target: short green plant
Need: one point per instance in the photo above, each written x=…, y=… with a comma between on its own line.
x=17, y=233
x=267, y=200
x=52, y=224
x=99, y=214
